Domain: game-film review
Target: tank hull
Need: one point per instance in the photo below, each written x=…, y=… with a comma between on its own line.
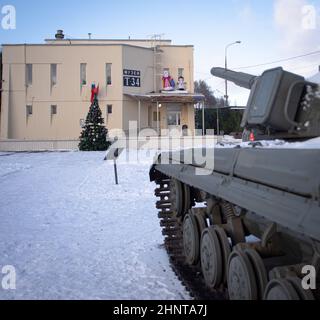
x=273, y=194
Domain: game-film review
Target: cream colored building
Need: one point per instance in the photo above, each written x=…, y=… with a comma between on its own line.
x=46, y=88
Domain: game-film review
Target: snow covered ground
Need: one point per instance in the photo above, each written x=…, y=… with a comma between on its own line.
x=72, y=234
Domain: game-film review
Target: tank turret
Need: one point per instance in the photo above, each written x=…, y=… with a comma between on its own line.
x=281, y=103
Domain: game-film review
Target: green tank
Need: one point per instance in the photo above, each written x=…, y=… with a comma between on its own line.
x=247, y=218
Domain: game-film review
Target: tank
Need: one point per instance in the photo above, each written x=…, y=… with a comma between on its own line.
x=244, y=222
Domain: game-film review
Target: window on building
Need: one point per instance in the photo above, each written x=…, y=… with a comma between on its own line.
x=109, y=108
x=29, y=110
x=155, y=118
x=53, y=75
x=53, y=110
x=29, y=74
x=108, y=73
x=83, y=74
x=174, y=118
x=180, y=72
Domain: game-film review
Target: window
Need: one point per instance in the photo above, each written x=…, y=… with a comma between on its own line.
x=109, y=108
x=180, y=72
x=83, y=74
x=174, y=118
x=53, y=75
x=53, y=110
x=29, y=110
x=29, y=74
x=108, y=74
x=155, y=118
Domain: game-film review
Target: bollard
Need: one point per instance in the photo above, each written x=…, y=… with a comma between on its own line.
x=115, y=171
x=113, y=155
x=116, y=155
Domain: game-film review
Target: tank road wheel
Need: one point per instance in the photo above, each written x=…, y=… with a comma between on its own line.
x=225, y=249
x=280, y=289
x=259, y=271
x=176, y=191
x=241, y=280
x=201, y=220
x=211, y=258
x=303, y=294
x=287, y=289
x=191, y=239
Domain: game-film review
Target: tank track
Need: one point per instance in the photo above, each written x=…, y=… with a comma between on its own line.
x=190, y=276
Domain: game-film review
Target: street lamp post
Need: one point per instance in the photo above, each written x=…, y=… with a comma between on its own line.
x=226, y=82
x=226, y=67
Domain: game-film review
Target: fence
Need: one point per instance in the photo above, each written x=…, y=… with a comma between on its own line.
x=164, y=143
x=37, y=145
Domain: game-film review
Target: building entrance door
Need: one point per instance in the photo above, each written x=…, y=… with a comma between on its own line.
x=174, y=122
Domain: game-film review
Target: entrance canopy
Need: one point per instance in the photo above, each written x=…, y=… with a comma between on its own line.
x=172, y=97
x=168, y=97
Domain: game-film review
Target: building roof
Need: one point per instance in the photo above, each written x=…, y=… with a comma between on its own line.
x=104, y=39
x=168, y=97
x=73, y=44
x=101, y=42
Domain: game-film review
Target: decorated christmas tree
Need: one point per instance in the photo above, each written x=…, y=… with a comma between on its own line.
x=94, y=134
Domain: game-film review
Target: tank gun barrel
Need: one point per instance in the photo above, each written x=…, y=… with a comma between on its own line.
x=241, y=79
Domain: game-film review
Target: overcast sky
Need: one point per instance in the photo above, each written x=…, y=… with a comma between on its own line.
x=269, y=29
